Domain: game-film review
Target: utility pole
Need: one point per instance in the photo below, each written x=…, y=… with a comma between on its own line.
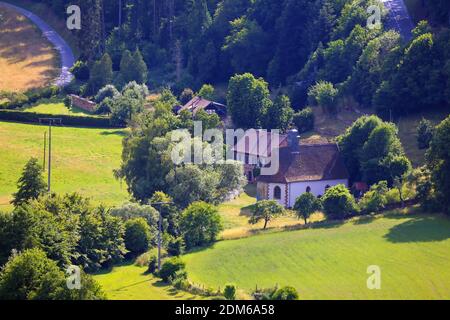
x=49, y=154
x=159, y=229
x=50, y=124
x=45, y=147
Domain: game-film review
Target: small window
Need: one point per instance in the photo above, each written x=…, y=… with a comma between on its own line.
x=308, y=189
x=277, y=193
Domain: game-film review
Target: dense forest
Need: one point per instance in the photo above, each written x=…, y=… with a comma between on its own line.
x=291, y=44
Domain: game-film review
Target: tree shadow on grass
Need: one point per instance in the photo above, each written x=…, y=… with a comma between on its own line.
x=420, y=229
x=121, y=133
x=364, y=220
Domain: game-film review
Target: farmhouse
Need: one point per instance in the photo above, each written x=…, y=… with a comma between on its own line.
x=198, y=103
x=303, y=168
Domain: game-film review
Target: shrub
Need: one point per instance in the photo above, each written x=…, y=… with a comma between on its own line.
x=170, y=267
x=108, y=91
x=80, y=70
x=304, y=120
x=375, y=199
x=285, y=293
x=105, y=106
x=229, y=292
x=12, y=100
x=338, y=202
x=152, y=264
x=137, y=235
x=425, y=132
x=67, y=120
x=200, y=224
x=186, y=95
x=175, y=246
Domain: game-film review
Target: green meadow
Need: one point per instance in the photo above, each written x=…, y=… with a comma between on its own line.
x=83, y=160
x=130, y=282
x=331, y=262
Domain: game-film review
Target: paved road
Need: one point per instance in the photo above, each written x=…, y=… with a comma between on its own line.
x=66, y=54
x=399, y=18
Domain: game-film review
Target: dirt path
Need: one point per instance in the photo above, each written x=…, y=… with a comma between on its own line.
x=65, y=52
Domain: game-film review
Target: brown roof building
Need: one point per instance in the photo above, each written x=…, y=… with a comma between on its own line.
x=198, y=103
x=303, y=168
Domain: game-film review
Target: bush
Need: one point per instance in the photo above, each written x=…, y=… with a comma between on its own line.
x=375, y=199
x=170, y=267
x=200, y=224
x=12, y=100
x=80, y=70
x=152, y=264
x=285, y=293
x=425, y=132
x=137, y=235
x=108, y=91
x=338, y=202
x=67, y=120
x=304, y=120
x=186, y=96
x=175, y=247
x=229, y=292
x=105, y=106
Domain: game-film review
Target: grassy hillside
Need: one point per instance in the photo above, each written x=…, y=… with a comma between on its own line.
x=129, y=282
x=331, y=263
x=27, y=60
x=83, y=160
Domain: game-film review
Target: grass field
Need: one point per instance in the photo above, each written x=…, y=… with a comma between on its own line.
x=129, y=282
x=27, y=60
x=83, y=160
x=57, y=108
x=236, y=213
x=331, y=262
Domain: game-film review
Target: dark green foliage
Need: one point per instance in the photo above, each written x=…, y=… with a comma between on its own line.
x=31, y=184
x=170, y=267
x=248, y=100
x=133, y=67
x=266, y=210
x=438, y=162
x=108, y=91
x=324, y=94
x=186, y=96
x=152, y=264
x=338, y=203
x=279, y=114
x=285, y=293
x=375, y=199
x=80, y=70
x=372, y=151
x=67, y=120
x=425, y=132
x=175, y=247
x=137, y=236
x=306, y=204
x=101, y=73
x=200, y=224
x=229, y=292
x=30, y=275
x=304, y=120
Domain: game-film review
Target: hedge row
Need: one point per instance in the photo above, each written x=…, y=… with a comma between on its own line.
x=67, y=120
